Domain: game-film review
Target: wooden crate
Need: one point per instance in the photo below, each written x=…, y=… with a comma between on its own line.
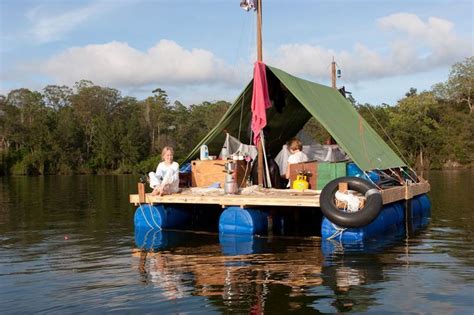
x=208, y=172
x=311, y=167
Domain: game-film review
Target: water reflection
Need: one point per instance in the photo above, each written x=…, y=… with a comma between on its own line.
x=92, y=270
x=250, y=270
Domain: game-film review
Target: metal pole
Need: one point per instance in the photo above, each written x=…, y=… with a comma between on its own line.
x=333, y=73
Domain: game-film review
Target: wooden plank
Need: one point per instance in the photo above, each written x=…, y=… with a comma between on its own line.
x=141, y=192
x=275, y=197
x=393, y=194
x=404, y=192
x=419, y=188
x=234, y=200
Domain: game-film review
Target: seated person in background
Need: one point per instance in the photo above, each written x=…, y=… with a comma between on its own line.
x=296, y=154
x=166, y=178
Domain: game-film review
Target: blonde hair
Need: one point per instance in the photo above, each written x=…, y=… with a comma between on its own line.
x=294, y=144
x=163, y=152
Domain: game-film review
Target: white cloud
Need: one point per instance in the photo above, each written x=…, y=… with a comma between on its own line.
x=118, y=64
x=419, y=46
x=48, y=27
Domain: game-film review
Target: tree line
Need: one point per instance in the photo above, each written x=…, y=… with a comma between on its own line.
x=92, y=129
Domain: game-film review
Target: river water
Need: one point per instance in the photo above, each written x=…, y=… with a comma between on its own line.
x=68, y=245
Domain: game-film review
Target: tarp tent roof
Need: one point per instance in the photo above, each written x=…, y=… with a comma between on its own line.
x=295, y=101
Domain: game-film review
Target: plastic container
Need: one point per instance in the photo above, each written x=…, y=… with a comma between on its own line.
x=353, y=170
x=160, y=217
x=204, y=153
x=235, y=220
x=224, y=153
x=390, y=217
x=421, y=206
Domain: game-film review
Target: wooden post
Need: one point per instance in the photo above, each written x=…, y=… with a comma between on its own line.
x=343, y=187
x=259, y=31
x=259, y=58
x=333, y=73
x=260, y=163
x=141, y=193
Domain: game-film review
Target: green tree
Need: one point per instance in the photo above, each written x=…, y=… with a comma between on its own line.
x=416, y=128
x=92, y=104
x=459, y=88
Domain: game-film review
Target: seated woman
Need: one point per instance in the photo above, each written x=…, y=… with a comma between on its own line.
x=296, y=155
x=166, y=178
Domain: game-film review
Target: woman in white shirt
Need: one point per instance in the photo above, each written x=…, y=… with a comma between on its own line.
x=166, y=178
x=296, y=154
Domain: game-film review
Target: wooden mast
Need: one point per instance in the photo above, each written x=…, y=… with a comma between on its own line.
x=333, y=73
x=259, y=31
x=260, y=59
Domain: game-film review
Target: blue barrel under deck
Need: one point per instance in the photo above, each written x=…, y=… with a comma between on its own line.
x=389, y=220
x=160, y=216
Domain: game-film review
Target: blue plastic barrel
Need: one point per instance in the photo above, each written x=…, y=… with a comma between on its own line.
x=421, y=206
x=353, y=170
x=160, y=216
x=415, y=208
x=425, y=204
x=388, y=221
x=235, y=220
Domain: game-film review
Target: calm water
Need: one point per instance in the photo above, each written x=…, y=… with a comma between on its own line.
x=67, y=245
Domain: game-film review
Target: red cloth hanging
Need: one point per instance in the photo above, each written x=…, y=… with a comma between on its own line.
x=260, y=100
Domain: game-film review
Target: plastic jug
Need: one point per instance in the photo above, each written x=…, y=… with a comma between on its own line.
x=300, y=183
x=204, y=152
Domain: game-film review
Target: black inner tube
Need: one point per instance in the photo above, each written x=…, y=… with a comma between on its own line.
x=360, y=218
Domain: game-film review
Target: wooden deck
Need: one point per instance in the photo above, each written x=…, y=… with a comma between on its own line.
x=269, y=197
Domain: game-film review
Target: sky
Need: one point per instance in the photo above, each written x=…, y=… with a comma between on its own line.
x=204, y=50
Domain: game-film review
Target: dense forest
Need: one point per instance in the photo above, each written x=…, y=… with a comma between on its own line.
x=93, y=129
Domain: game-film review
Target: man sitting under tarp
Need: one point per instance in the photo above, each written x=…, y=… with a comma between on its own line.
x=313, y=150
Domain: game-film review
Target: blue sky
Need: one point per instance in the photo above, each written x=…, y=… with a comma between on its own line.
x=203, y=50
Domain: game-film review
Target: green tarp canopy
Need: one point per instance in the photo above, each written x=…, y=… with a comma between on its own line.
x=295, y=101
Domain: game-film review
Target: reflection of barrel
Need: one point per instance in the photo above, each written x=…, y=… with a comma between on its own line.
x=235, y=220
x=244, y=244
x=149, y=239
x=371, y=246
x=388, y=219
x=152, y=239
x=160, y=216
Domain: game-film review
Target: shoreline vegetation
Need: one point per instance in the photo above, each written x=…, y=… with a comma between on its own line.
x=89, y=129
